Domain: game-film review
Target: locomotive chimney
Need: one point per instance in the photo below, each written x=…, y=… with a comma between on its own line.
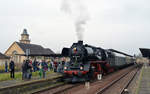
x=80, y=42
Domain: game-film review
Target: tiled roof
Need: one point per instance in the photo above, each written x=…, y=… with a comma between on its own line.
x=35, y=49
x=2, y=56
x=145, y=52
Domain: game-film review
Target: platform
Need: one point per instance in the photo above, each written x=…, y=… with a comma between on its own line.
x=144, y=84
x=15, y=82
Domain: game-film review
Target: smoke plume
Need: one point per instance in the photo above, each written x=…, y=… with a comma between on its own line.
x=78, y=13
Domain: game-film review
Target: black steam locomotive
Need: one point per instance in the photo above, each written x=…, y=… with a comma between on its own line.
x=87, y=61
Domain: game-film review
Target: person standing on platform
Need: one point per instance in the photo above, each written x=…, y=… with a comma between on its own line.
x=44, y=68
x=35, y=65
x=51, y=65
x=55, y=66
x=40, y=69
x=6, y=67
x=30, y=69
x=12, y=69
x=23, y=69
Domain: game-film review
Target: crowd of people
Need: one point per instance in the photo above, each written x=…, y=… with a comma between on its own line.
x=29, y=66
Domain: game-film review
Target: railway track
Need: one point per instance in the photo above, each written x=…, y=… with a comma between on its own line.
x=59, y=89
x=107, y=82
x=31, y=86
x=119, y=85
x=53, y=86
x=99, y=85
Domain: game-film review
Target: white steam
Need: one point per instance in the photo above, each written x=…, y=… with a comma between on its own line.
x=78, y=12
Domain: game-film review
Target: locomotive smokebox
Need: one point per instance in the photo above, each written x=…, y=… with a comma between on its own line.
x=80, y=42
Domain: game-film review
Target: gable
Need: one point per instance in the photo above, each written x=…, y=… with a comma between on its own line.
x=14, y=48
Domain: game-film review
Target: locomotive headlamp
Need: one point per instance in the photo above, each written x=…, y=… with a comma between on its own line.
x=65, y=68
x=75, y=50
x=81, y=68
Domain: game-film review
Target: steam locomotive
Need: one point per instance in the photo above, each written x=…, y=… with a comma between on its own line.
x=87, y=62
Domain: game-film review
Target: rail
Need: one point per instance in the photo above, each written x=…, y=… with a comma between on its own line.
x=102, y=90
x=28, y=86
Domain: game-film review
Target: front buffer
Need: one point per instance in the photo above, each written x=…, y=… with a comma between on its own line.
x=75, y=76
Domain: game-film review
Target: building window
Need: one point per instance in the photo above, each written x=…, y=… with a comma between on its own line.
x=15, y=56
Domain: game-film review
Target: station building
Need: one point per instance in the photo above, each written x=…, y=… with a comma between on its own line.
x=3, y=59
x=18, y=50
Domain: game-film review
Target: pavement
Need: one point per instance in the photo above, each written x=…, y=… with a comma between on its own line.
x=144, y=86
x=18, y=81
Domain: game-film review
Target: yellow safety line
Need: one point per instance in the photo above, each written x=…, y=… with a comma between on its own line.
x=139, y=82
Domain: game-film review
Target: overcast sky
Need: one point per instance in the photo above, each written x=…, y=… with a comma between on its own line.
x=119, y=24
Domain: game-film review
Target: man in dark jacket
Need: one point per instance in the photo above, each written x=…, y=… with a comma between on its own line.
x=6, y=66
x=27, y=69
x=35, y=65
x=12, y=69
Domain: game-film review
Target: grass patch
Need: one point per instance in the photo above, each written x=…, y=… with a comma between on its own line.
x=18, y=75
x=2, y=67
x=17, y=68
